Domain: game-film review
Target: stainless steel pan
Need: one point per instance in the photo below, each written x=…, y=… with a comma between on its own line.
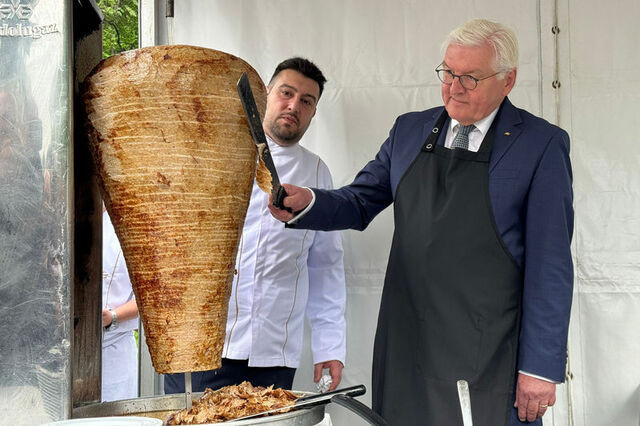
x=310, y=412
x=160, y=407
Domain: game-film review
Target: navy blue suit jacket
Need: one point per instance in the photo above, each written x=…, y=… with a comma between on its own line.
x=531, y=194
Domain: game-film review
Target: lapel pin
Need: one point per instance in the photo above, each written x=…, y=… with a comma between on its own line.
x=507, y=133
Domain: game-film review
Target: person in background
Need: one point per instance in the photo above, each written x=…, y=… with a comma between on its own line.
x=480, y=276
x=281, y=274
x=119, y=320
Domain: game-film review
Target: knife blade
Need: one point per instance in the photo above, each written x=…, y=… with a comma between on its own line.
x=309, y=401
x=257, y=132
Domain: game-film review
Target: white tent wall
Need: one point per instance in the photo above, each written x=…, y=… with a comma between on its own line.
x=379, y=57
x=602, y=102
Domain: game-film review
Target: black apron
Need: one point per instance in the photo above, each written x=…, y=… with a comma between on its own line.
x=451, y=302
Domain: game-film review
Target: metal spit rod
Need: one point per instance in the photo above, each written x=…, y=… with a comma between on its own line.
x=169, y=15
x=187, y=389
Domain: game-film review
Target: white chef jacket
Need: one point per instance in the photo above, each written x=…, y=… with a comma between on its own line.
x=119, y=350
x=282, y=273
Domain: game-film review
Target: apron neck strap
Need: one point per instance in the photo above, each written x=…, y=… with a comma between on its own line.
x=438, y=128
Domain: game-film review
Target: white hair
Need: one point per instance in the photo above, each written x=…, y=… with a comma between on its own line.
x=477, y=32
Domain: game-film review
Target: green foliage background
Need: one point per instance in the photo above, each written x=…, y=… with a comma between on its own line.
x=120, y=26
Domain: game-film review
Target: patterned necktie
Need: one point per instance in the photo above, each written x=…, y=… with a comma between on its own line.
x=462, y=138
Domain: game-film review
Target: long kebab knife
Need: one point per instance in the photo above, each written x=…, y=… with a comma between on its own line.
x=255, y=124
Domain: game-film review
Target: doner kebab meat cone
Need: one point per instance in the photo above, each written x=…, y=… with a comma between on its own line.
x=177, y=163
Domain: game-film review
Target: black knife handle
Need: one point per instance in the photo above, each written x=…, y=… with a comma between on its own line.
x=360, y=409
x=278, y=201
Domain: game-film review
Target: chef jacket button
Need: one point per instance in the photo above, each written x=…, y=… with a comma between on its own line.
x=429, y=147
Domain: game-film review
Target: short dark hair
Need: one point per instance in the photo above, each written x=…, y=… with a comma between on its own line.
x=304, y=67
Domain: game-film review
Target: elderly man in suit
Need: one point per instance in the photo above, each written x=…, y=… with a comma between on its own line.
x=479, y=280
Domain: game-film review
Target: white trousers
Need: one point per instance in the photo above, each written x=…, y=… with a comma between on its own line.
x=119, y=366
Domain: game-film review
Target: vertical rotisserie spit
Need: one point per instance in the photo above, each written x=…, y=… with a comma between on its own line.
x=177, y=163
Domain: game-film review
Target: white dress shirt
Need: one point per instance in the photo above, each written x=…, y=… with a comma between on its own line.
x=476, y=136
x=282, y=273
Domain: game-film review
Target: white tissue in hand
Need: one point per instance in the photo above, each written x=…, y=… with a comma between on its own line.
x=324, y=383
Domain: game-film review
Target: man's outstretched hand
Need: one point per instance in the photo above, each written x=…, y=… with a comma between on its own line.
x=297, y=199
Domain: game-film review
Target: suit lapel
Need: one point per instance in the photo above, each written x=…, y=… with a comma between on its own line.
x=507, y=131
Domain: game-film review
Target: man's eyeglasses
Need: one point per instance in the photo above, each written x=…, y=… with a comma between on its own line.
x=469, y=82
